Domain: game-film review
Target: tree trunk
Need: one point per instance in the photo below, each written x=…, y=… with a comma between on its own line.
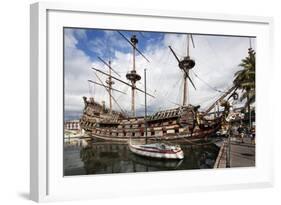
x=249, y=109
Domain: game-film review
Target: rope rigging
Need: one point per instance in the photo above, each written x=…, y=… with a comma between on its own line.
x=164, y=93
x=110, y=95
x=213, y=88
x=163, y=58
x=90, y=89
x=125, y=90
x=179, y=96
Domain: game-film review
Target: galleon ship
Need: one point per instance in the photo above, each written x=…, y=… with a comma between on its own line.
x=184, y=121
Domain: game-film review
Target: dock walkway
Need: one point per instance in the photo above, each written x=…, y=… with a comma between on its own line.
x=242, y=154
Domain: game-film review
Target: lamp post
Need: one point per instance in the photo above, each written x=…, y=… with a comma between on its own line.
x=228, y=148
x=145, y=115
x=228, y=119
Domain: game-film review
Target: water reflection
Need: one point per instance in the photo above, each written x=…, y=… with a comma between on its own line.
x=105, y=157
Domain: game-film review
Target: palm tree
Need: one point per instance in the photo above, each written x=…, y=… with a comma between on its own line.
x=245, y=78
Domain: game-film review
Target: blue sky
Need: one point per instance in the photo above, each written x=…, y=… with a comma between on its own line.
x=103, y=43
x=217, y=59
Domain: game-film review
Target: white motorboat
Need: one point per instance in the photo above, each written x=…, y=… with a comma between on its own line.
x=157, y=150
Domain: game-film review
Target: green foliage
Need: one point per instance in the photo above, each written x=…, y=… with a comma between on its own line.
x=245, y=79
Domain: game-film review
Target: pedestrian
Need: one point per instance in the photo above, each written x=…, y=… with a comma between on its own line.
x=253, y=135
x=242, y=136
x=241, y=133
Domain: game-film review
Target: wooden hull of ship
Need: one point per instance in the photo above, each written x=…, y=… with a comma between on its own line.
x=199, y=134
x=171, y=124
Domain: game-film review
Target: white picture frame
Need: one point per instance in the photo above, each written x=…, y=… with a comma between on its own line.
x=46, y=104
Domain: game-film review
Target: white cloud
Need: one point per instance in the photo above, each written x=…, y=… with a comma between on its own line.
x=217, y=60
x=76, y=69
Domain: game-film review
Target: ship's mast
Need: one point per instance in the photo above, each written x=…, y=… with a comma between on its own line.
x=121, y=82
x=185, y=74
x=132, y=75
x=185, y=65
x=110, y=83
x=185, y=91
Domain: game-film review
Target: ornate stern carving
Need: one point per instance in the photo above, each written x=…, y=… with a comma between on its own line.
x=85, y=101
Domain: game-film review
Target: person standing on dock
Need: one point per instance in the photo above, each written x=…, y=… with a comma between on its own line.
x=241, y=133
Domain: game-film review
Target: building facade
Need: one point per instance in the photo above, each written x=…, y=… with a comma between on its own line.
x=72, y=125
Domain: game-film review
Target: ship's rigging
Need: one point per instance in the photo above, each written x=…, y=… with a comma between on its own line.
x=185, y=64
x=132, y=76
x=109, y=82
x=183, y=121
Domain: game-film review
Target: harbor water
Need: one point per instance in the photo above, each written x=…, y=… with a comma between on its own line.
x=102, y=157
